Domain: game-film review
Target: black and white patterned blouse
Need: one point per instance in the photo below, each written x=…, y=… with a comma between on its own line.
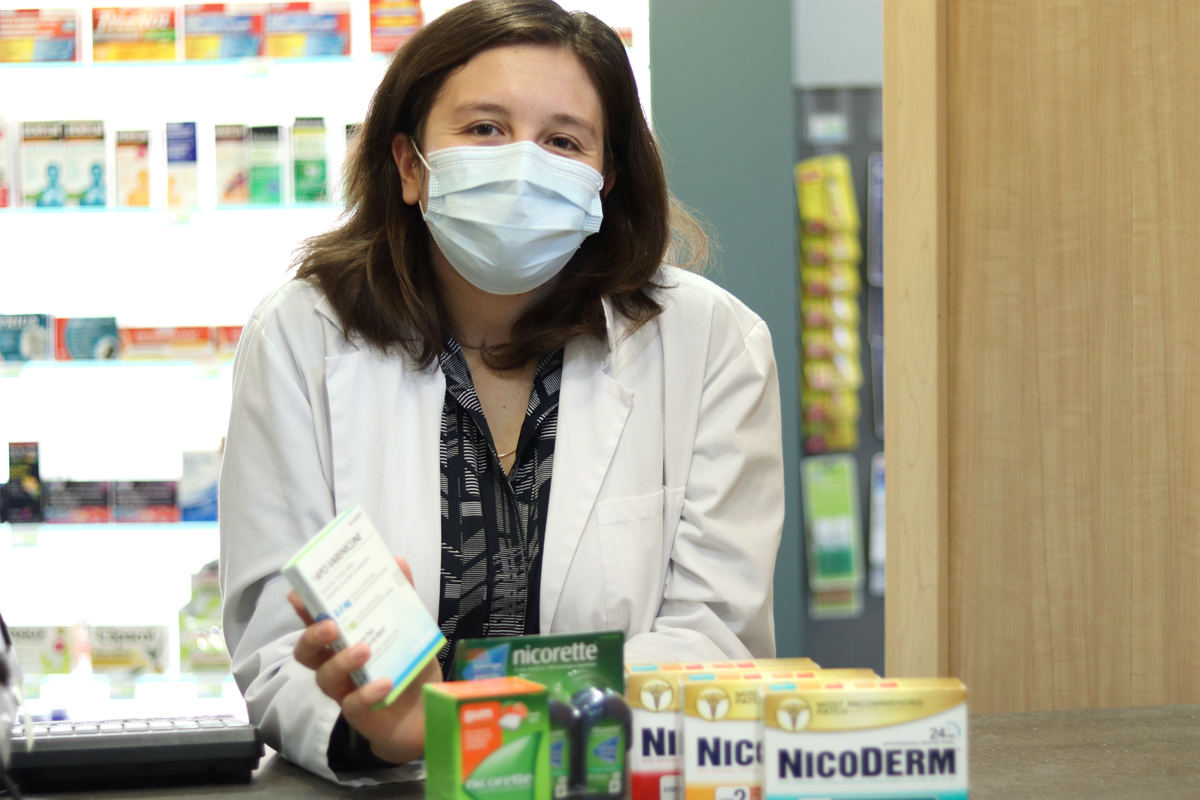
x=493, y=524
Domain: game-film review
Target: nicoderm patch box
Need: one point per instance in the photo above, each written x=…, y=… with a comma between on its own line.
x=722, y=747
x=346, y=573
x=900, y=739
x=487, y=740
x=656, y=757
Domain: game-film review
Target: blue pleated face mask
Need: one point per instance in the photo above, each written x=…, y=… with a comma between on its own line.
x=509, y=217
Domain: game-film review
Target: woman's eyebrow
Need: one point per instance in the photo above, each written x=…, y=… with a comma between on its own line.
x=577, y=122
x=482, y=108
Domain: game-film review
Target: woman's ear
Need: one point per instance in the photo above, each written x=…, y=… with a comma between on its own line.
x=412, y=172
x=610, y=178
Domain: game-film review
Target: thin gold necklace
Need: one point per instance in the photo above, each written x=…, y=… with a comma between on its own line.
x=506, y=455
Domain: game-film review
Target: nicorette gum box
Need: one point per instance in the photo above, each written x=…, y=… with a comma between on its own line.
x=487, y=740
x=903, y=739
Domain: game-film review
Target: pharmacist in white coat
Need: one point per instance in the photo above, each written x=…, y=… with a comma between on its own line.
x=665, y=484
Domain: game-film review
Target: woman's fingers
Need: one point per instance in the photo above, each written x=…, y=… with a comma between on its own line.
x=298, y=604
x=312, y=648
x=333, y=677
x=404, y=568
x=358, y=703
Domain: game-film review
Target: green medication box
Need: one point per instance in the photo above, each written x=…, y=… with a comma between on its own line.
x=589, y=717
x=486, y=740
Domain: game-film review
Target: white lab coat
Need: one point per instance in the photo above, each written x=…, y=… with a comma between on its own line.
x=666, y=502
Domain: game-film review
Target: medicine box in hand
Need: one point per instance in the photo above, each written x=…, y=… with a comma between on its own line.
x=347, y=574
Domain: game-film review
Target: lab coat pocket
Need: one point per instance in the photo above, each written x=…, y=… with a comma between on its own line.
x=631, y=552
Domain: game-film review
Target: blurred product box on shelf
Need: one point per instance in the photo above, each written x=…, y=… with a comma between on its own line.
x=133, y=169
x=903, y=739
x=21, y=500
x=228, y=337
x=78, y=502
x=145, y=501
x=308, y=160
x=86, y=183
x=223, y=30
x=487, y=740
x=26, y=337
x=38, y=34
x=84, y=338
x=202, y=649
x=266, y=170
x=128, y=650
x=142, y=33
x=42, y=164
x=44, y=650
x=826, y=196
x=47, y=650
x=393, y=22
x=184, y=342
x=233, y=185
x=7, y=198
x=305, y=30
x=833, y=533
x=198, y=486
x=182, y=186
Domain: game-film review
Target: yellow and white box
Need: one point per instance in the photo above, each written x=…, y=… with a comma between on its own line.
x=653, y=691
x=722, y=747
x=901, y=739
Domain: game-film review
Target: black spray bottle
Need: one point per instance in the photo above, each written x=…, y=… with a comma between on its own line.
x=564, y=733
x=602, y=743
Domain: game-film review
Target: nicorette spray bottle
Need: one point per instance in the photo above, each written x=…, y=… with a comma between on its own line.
x=602, y=742
x=564, y=732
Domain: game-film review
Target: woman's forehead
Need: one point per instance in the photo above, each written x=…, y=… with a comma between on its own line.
x=540, y=80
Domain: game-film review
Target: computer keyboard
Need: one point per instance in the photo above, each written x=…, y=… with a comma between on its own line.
x=136, y=752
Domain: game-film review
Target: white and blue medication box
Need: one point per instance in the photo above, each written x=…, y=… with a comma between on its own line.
x=347, y=574
x=198, y=486
x=900, y=739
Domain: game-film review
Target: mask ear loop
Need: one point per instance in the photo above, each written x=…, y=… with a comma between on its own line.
x=432, y=178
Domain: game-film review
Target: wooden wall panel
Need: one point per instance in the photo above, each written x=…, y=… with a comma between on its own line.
x=915, y=307
x=1039, y=357
x=1069, y=460
x=1165, y=536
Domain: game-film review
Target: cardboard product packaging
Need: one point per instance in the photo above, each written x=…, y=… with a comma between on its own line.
x=894, y=739
x=133, y=169
x=486, y=740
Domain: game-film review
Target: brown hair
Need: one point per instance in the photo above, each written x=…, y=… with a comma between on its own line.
x=375, y=267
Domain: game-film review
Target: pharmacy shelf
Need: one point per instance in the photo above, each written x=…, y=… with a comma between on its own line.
x=21, y=529
x=152, y=268
x=115, y=574
x=117, y=420
x=204, y=368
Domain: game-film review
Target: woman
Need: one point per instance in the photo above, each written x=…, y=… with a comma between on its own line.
x=552, y=430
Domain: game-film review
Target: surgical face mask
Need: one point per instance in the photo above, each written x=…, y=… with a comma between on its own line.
x=509, y=217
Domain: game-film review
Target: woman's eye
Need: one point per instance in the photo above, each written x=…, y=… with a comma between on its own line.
x=483, y=129
x=562, y=143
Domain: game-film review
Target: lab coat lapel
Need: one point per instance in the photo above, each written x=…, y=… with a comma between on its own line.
x=386, y=427
x=593, y=408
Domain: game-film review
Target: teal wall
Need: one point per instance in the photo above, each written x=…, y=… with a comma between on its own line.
x=721, y=91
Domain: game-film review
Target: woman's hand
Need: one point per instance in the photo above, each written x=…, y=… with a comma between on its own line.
x=396, y=732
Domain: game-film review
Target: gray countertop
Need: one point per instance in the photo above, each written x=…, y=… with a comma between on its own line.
x=1093, y=754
